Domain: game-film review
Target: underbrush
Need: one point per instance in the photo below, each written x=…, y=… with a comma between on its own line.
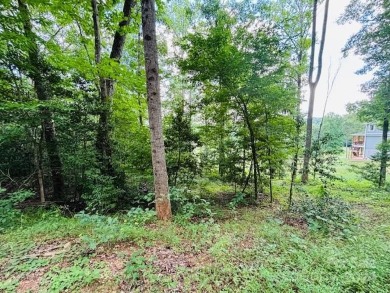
x=10, y=216
x=252, y=251
x=343, y=248
x=325, y=213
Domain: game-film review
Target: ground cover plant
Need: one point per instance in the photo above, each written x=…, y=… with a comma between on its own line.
x=245, y=248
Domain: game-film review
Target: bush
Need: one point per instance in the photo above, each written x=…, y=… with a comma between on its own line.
x=327, y=214
x=239, y=199
x=188, y=204
x=139, y=216
x=369, y=171
x=9, y=215
x=102, y=195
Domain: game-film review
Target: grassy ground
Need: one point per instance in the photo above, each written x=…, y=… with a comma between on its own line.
x=242, y=250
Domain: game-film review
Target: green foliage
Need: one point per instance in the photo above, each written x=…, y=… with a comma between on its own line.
x=135, y=267
x=189, y=205
x=325, y=213
x=76, y=276
x=180, y=142
x=139, y=216
x=325, y=152
x=101, y=194
x=104, y=229
x=10, y=216
x=241, y=77
x=239, y=199
x=369, y=171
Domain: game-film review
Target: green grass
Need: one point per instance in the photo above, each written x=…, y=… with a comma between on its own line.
x=243, y=250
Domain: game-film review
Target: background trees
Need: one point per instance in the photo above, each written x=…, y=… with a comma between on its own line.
x=372, y=42
x=74, y=98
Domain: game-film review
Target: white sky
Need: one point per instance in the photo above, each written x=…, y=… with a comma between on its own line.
x=346, y=88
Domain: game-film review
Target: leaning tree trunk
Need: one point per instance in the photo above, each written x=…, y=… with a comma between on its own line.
x=163, y=204
x=43, y=90
x=384, y=154
x=313, y=84
x=106, y=90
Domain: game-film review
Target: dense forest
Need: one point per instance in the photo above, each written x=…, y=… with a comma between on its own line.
x=123, y=116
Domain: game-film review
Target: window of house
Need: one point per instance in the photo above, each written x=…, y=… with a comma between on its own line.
x=371, y=127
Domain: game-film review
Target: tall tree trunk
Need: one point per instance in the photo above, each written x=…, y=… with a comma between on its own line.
x=38, y=164
x=163, y=204
x=243, y=165
x=247, y=177
x=40, y=182
x=384, y=153
x=269, y=153
x=139, y=64
x=298, y=124
x=313, y=84
x=106, y=90
x=256, y=169
x=42, y=88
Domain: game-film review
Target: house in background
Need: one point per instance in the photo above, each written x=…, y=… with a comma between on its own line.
x=364, y=145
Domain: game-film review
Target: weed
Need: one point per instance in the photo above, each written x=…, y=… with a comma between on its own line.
x=134, y=267
x=325, y=213
x=9, y=215
x=139, y=216
x=69, y=278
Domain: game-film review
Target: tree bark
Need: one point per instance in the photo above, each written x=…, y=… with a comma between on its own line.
x=163, y=204
x=247, y=177
x=384, y=154
x=36, y=69
x=106, y=90
x=313, y=84
x=298, y=124
x=38, y=167
x=256, y=169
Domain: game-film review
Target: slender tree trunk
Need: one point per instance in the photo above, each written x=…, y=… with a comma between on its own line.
x=36, y=69
x=309, y=135
x=313, y=84
x=163, y=204
x=38, y=167
x=221, y=151
x=247, y=177
x=298, y=124
x=256, y=171
x=178, y=165
x=106, y=90
x=269, y=152
x=243, y=164
x=139, y=96
x=384, y=154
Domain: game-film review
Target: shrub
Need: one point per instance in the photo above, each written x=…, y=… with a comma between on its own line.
x=9, y=215
x=238, y=200
x=369, y=171
x=139, y=216
x=325, y=213
x=102, y=195
x=189, y=204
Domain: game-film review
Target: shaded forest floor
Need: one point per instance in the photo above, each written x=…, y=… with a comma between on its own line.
x=248, y=249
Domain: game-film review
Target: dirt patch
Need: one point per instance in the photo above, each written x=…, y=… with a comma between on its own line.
x=223, y=198
x=114, y=256
x=112, y=261
x=167, y=261
x=248, y=243
x=30, y=283
x=296, y=222
x=52, y=248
